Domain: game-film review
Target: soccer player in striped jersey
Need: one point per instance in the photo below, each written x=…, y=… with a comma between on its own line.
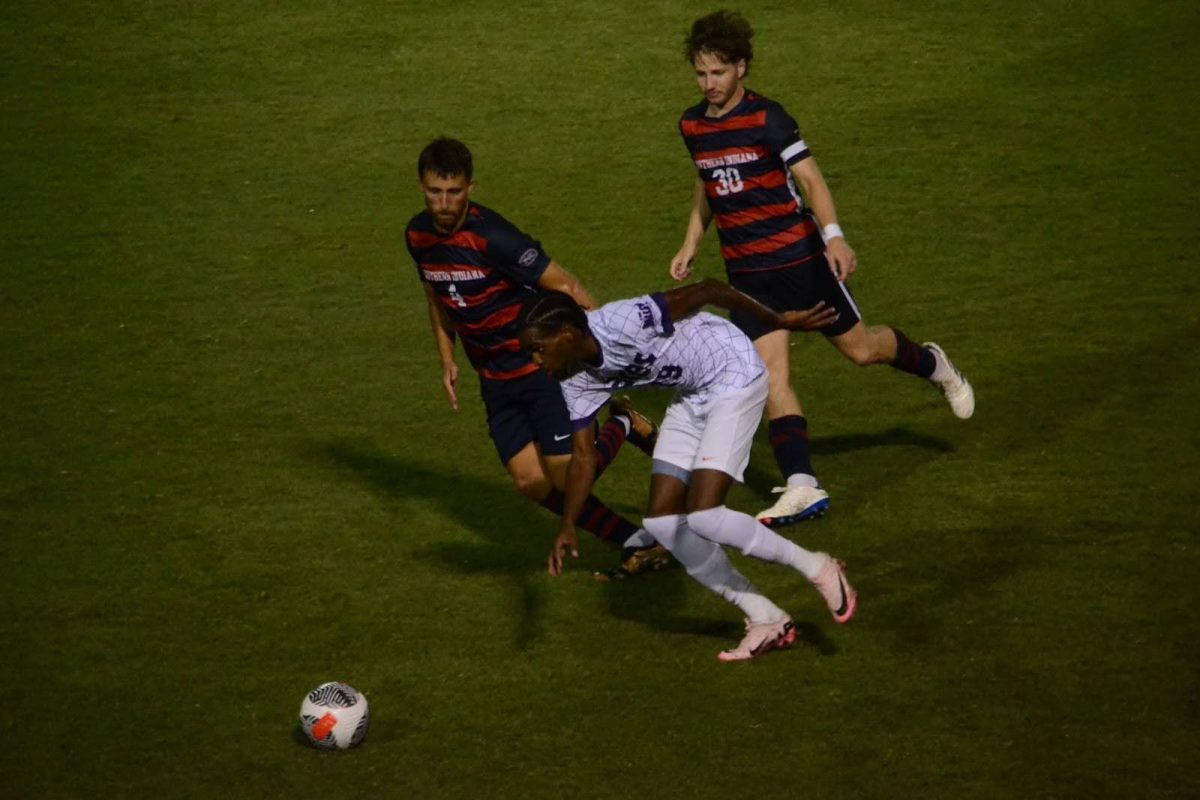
x=704, y=443
x=476, y=268
x=754, y=173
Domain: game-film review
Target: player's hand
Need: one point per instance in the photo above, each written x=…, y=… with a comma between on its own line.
x=564, y=543
x=450, y=382
x=812, y=319
x=842, y=260
x=681, y=264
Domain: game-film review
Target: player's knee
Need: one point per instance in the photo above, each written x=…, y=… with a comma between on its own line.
x=707, y=522
x=535, y=487
x=663, y=528
x=861, y=353
x=877, y=345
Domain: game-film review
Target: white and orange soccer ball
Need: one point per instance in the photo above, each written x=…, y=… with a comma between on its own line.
x=334, y=716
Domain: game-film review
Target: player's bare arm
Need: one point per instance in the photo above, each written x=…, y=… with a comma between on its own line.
x=581, y=474
x=443, y=335
x=698, y=221
x=689, y=299
x=558, y=279
x=842, y=259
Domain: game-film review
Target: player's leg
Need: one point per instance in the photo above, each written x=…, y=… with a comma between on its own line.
x=527, y=474
x=596, y=517
x=546, y=412
x=511, y=407
x=725, y=526
x=787, y=429
x=722, y=456
x=881, y=344
x=641, y=431
x=624, y=423
x=609, y=438
x=640, y=553
x=768, y=627
x=878, y=344
x=546, y=415
x=514, y=438
x=801, y=496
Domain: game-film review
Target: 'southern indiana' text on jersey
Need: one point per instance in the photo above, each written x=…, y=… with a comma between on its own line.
x=480, y=274
x=700, y=356
x=743, y=158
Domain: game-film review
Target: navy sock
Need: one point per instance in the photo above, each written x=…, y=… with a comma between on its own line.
x=608, y=443
x=789, y=440
x=596, y=517
x=912, y=357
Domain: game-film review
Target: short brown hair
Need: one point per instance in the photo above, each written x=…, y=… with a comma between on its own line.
x=725, y=34
x=445, y=157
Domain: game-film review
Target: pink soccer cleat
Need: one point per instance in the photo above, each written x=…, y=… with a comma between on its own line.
x=839, y=595
x=762, y=638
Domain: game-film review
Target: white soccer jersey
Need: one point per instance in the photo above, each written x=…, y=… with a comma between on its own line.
x=700, y=356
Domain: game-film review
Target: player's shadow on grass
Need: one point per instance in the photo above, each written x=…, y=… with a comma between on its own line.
x=762, y=473
x=513, y=539
x=513, y=535
x=892, y=437
x=654, y=600
x=502, y=521
x=489, y=509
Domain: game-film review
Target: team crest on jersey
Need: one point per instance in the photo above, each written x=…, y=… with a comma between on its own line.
x=528, y=257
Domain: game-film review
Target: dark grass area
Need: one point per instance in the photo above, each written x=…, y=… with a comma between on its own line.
x=228, y=471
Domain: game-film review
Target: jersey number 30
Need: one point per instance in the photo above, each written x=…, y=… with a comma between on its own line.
x=729, y=181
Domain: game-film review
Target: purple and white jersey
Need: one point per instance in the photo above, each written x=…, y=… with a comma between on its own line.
x=701, y=356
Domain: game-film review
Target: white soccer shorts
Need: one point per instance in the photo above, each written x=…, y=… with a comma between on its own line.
x=718, y=436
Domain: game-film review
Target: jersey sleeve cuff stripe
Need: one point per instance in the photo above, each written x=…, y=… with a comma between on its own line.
x=794, y=152
x=668, y=324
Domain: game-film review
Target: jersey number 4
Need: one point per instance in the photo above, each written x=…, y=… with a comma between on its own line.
x=729, y=181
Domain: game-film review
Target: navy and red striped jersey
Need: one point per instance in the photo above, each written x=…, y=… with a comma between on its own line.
x=743, y=159
x=481, y=273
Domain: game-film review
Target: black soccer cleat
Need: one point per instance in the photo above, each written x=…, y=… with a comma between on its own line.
x=637, y=561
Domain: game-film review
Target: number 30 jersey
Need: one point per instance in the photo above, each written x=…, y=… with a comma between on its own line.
x=743, y=159
x=700, y=356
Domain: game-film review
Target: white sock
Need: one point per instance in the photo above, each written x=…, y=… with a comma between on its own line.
x=708, y=565
x=735, y=529
x=801, y=479
x=640, y=538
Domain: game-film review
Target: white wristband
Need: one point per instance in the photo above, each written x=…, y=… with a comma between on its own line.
x=832, y=231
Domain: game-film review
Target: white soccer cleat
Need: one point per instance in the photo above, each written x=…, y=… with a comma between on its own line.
x=762, y=638
x=793, y=505
x=954, y=386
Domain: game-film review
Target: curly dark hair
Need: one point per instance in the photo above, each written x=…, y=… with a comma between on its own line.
x=445, y=157
x=725, y=34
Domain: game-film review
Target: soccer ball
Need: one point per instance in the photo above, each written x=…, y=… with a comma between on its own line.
x=334, y=716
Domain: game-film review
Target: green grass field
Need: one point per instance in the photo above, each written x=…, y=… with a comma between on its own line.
x=229, y=472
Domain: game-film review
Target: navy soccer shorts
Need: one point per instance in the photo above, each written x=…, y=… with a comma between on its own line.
x=526, y=409
x=795, y=289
